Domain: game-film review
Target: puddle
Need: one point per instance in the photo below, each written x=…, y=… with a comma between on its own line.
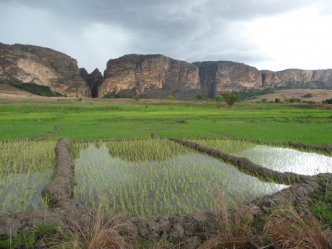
x=288, y=160
x=185, y=183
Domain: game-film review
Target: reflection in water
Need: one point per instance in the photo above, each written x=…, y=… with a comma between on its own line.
x=288, y=160
x=182, y=184
x=21, y=192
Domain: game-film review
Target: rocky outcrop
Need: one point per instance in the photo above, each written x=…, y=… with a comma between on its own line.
x=94, y=80
x=41, y=66
x=296, y=78
x=150, y=76
x=225, y=76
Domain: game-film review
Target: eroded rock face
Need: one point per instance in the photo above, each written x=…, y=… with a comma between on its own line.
x=150, y=76
x=298, y=78
x=94, y=80
x=41, y=66
x=225, y=76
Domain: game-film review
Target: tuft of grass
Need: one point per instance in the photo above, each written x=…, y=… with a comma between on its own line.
x=287, y=228
x=40, y=236
x=96, y=231
x=322, y=208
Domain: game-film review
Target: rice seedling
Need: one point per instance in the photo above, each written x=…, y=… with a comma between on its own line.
x=25, y=168
x=276, y=158
x=149, y=177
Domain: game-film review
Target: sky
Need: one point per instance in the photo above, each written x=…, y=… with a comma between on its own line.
x=267, y=34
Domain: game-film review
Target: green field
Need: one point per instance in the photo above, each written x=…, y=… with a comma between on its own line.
x=114, y=119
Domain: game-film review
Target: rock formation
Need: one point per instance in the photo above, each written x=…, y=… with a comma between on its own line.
x=220, y=76
x=41, y=66
x=94, y=80
x=295, y=78
x=150, y=76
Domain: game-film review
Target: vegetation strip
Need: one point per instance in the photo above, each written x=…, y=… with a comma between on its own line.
x=246, y=166
x=59, y=190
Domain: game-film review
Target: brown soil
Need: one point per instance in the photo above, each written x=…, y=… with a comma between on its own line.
x=318, y=95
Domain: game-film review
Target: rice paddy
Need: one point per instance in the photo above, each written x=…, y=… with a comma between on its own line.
x=25, y=168
x=276, y=158
x=150, y=177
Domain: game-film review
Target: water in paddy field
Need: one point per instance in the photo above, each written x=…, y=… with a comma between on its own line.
x=22, y=192
x=288, y=160
x=186, y=183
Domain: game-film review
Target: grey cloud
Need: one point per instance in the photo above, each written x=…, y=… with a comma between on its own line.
x=184, y=29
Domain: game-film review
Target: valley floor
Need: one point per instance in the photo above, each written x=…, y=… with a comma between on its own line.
x=124, y=118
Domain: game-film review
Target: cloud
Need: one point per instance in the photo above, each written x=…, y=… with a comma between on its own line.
x=94, y=31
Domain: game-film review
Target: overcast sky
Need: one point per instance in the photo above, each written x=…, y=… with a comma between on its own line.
x=268, y=34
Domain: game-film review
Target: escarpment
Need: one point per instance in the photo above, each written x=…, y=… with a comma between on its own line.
x=295, y=78
x=150, y=76
x=147, y=76
x=220, y=76
x=20, y=64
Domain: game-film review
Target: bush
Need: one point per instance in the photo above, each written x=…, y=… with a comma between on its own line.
x=218, y=99
x=307, y=96
x=170, y=97
x=277, y=100
x=37, y=89
x=200, y=96
x=327, y=101
x=230, y=98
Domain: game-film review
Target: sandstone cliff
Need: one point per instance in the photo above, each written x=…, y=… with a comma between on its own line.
x=94, y=80
x=225, y=76
x=295, y=78
x=150, y=76
x=41, y=66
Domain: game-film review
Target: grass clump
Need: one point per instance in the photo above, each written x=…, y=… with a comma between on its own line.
x=322, y=208
x=40, y=236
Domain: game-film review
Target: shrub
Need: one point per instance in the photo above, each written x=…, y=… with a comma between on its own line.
x=327, y=101
x=37, y=89
x=200, y=96
x=230, y=98
x=218, y=99
x=170, y=97
x=307, y=96
x=277, y=100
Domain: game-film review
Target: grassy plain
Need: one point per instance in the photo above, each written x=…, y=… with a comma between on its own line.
x=139, y=119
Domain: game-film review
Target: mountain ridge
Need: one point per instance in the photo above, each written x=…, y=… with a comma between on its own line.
x=150, y=76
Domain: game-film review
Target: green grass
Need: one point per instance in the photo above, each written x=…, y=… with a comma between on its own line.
x=267, y=122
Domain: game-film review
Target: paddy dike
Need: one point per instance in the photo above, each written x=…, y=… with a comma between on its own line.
x=194, y=228
x=246, y=166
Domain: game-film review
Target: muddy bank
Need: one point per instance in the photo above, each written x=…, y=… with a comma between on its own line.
x=60, y=189
x=246, y=166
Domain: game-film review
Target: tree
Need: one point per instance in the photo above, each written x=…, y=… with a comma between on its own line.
x=230, y=98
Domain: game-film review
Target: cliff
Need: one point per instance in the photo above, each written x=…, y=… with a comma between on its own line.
x=41, y=66
x=295, y=78
x=150, y=76
x=225, y=76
